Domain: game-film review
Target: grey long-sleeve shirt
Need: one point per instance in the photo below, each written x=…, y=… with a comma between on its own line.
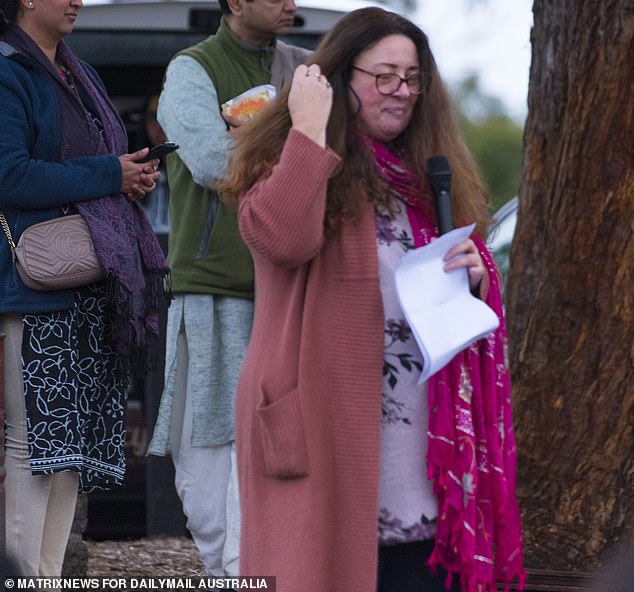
x=187, y=116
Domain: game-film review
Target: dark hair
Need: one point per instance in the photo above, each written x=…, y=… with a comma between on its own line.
x=433, y=128
x=8, y=12
x=224, y=6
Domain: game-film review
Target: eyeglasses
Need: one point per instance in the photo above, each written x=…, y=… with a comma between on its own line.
x=387, y=83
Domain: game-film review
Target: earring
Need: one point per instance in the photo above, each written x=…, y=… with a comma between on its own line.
x=30, y=4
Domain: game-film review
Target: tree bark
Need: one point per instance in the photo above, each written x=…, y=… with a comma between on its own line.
x=570, y=292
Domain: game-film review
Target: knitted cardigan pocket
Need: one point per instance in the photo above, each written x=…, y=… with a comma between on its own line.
x=282, y=436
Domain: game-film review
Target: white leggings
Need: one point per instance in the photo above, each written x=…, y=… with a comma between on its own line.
x=39, y=508
x=206, y=481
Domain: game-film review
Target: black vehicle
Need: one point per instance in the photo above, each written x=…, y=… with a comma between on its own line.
x=130, y=42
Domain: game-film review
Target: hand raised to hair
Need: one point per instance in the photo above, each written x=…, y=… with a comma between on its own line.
x=310, y=102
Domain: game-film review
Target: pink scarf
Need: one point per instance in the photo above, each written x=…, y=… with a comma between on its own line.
x=471, y=443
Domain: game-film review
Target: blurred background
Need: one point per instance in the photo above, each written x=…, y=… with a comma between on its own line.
x=483, y=50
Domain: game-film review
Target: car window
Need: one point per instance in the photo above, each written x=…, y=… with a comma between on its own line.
x=501, y=235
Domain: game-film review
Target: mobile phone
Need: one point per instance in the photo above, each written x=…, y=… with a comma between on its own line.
x=158, y=151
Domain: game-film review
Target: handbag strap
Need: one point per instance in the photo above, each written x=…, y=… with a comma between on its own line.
x=7, y=231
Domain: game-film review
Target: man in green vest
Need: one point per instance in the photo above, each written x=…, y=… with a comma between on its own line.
x=209, y=321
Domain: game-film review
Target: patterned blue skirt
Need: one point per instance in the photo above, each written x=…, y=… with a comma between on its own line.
x=76, y=393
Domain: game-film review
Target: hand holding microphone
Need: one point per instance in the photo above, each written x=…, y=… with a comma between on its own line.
x=465, y=253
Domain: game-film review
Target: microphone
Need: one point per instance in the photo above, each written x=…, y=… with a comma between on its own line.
x=439, y=177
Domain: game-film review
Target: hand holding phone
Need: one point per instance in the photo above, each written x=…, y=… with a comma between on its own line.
x=159, y=151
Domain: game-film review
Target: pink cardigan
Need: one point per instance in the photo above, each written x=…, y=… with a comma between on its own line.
x=309, y=393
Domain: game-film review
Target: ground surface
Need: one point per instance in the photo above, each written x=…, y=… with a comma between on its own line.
x=144, y=558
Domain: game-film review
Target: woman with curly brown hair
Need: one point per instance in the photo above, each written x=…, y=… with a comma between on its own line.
x=353, y=477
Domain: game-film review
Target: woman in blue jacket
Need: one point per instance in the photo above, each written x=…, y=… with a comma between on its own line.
x=67, y=352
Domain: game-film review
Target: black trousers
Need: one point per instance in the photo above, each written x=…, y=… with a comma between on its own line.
x=403, y=568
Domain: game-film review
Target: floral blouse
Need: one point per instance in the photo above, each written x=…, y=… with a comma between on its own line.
x=407, y=504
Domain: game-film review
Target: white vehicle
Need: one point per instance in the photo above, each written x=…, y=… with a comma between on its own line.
x=501, y=235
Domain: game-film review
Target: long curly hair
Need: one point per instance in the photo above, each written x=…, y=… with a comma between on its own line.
x=432, y=130
x=8, y=12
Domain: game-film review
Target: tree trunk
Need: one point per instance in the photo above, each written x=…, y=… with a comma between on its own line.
x=570, y=292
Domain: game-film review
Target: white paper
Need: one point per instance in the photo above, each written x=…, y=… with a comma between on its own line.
x=444, y=316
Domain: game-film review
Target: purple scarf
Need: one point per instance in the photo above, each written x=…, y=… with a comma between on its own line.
x=471, y=444
x=125, y=243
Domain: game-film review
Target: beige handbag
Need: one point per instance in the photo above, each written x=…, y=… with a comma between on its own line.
x=56, y=254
